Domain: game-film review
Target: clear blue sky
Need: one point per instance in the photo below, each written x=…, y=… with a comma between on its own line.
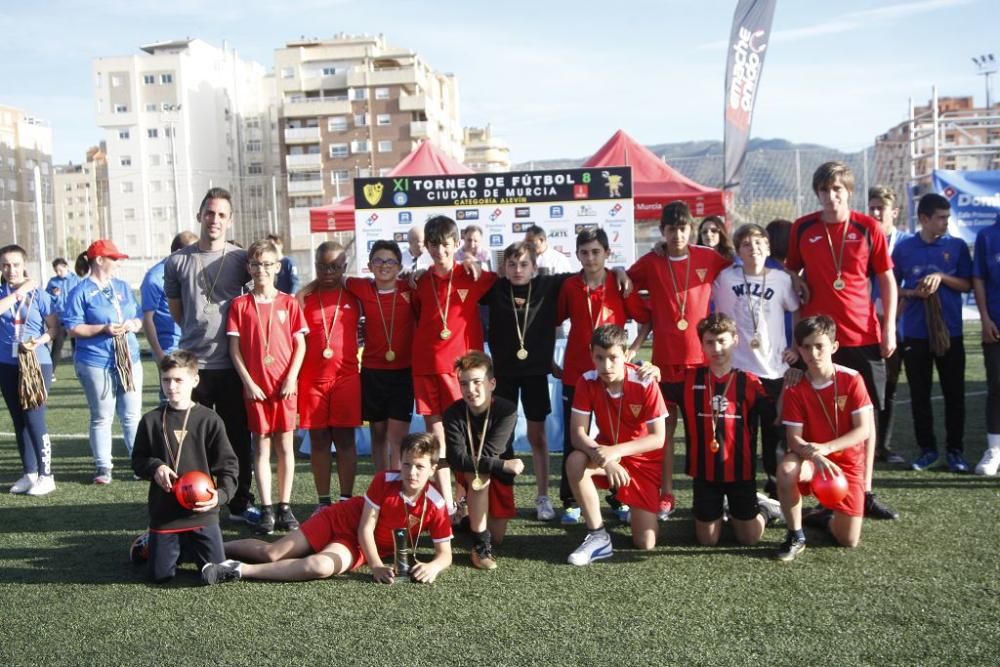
x=554, y=78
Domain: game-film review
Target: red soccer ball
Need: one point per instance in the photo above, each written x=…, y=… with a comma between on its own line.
x=829, y=490
x=193, y=487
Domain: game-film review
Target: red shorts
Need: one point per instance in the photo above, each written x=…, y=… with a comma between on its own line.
x=435, y=393
x=853, y=504
x=501, y=497
x=336, y=524
x=330, y=403
x=643, y=489
x=272, y=415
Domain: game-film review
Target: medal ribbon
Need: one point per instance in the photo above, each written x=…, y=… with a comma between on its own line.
x=755, y=313
x=327, y=333
x=477, y=455
x=521, y=331
x=266, y=337
x=180, y=441
x=718, y=415
x=835, y=422
x=838, y=260
x=392, y=317
x=447, y=302
x=681, y=303
x=204, y=271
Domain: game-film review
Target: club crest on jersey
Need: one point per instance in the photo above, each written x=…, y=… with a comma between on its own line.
x=412, y=520
x=720, y=403
x=282, y=316
x=841, y=402
x=701, y=274
x=462, y=293
x=607, y=313
x=635, y=408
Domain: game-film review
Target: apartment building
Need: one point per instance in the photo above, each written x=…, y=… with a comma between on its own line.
x=177, y=118
x=484, y=151
x=25, y=143
x=354, y=106
x=80, y=199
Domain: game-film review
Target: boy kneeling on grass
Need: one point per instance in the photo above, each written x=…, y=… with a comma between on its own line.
x=627, y=454
x=344, y=536
x=720, y=406
x=828, y=416
x=180, y=437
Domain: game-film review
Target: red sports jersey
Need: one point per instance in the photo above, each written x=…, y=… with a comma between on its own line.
x=432, y=354
x=671, y=345
x=386, y=495
x=606, y=307
x=343, y=335
x=734, y=397
x=864, y=253
x=286, y=321
x=398, y=322
x=640, y=403
x=803, y=406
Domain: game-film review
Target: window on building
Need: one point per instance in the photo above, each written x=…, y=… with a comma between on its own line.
x=169, y=131
x=131, y=240
x=152, y=133
x=152, y=107
x=123, y=134
x=169, y=159
x=159, y=213
x=383, y=119
x=127, y=187
x=125, y=160
x=336, y=124
x=69, y=187
x=69, y=215
x=385, y=146
x=253, y=146
x=287, y=72
x=360, y=120
x=156, y=186
x=329, y=71
x=154, y=160
x=340, y=176
x=166, y=78
x=339, y=150
x=360, y=146
x=128, y=214
x=381, y=93
x=148, y=79
x=384, y=171
x=255, y=168
x=358, y=94
x=121, y=108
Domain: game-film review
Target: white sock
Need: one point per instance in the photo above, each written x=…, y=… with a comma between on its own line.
x=993, y=440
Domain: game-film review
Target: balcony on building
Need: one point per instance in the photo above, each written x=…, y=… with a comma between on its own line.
x=305, y=187
x=307, y=161
x=409, y=77
x=316, y=106
x=302, y=135
x=413, y=102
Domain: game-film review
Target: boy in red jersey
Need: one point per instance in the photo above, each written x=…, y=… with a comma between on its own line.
x=330, y=386
x=345, y=536
x=386, y=378
x=448, y=326
x=719, y=404
x=828, y=416
x=839, y=249
x=680, y=286
x=627, y=453
x=266, y=332
x=588, y=299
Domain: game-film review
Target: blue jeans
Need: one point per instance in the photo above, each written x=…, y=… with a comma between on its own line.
x=105, y=396
x=32, y=435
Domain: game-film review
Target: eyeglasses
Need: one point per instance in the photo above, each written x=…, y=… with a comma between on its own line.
x=331, y=268
x=267, y=266
x=378, y=261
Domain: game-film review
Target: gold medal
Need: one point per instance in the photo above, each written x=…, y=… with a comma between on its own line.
x=522, y=354
x=478, y=484
x=839, y=284
x=268, y=360
x=327, y=353
x=755, y=342
x=390, y=356
x=714, y=445
x=445, y=334
x=682, y=324
x=210, y=308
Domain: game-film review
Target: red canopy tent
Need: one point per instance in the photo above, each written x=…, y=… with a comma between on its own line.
x=655, y=183
x=426, y=160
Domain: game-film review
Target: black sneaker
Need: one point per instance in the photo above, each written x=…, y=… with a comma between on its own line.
x=266, y=524
x=285, y=520
x=790, y=548
x=819, y=519
x=874, y=509
x=889, y=456
x=220, y=573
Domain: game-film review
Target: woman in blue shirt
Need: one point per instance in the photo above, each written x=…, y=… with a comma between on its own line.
x=26, y=317
x=100, y=308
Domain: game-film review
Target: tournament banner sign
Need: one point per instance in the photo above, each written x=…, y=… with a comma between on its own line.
x=974, y=198
x=504, y=205
x=748, y=39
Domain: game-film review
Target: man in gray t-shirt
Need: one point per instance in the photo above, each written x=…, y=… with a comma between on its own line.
x=200, y=282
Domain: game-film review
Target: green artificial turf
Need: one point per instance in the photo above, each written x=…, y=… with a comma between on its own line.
x=919, y=591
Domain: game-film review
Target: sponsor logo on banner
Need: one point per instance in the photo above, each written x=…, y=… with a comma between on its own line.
x=373, y=193
x=467, y=214
x=584, y=226
x=746, y=72
x=400, y=185
x=400, y=199
x=615, y=210
x=558, y=233
x=522, y=212
x=555, y=211
x=581, y=191
x=614, y=183
x=496, y=240
x=520, y=227
x=586, y=211
x=371, y=219
x=371, y=244
x=950, y=192
x=405, y=217
x=495, y=214
x=398, y=237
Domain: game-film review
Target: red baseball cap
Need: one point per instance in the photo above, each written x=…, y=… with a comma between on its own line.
x=105, y=248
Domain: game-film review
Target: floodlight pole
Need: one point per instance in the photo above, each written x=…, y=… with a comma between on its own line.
x=987, y=67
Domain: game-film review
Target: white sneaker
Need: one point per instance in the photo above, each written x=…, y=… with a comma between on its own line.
x=45, y=485
x=988, y=465
x=26, y=482
x=595, y=547
x=544, y=509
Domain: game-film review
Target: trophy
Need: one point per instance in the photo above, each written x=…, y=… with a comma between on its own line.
x=404, y=554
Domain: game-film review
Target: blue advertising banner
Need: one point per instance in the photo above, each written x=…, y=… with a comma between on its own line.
x=974, y=197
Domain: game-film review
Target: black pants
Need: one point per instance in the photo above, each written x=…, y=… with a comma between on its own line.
x=222, y=390
x=920, y=362
x=887, y=415
x=201, y=545
x=867, y=360
x=772, y=435
x=991, y=356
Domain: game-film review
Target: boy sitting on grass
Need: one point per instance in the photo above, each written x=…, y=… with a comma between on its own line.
x=174, y=439
x=720, y=405
x=828, y=416
x=344, y=536
x=626, y=455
